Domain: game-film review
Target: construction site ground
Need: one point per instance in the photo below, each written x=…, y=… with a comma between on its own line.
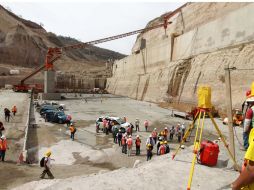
x=92, y=153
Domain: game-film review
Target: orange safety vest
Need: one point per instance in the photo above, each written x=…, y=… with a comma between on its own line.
x=123, y=141
x=3, y=144
x=72, y=129
x=14, y=109
x=138, y=142
x=129, y=142
x=162, y=150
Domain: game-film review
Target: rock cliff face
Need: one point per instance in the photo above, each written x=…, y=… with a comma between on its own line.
x=202, y=39
x=24, y=43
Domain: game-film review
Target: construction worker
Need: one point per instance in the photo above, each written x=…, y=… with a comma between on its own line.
x=1, y=128
x=248, y=122
x=104, y=123
x=7, y=114
x=246, y=177
x=129, y=145
x=137, y=124
x=171, y=133
x=150, y=141
x=162, y=148
x=155, y=135
x=179, y=135
x=165, y=133
x=149, y=152
x=72, y=130
x=146, y=125
x=14, y=110
x=114, y=133
x=138, y=144
x=47, y=166
x=119, y=136
x=3, y=147
x=158, y=144
x=183, y=129
x=124, y=144
x=68, y=120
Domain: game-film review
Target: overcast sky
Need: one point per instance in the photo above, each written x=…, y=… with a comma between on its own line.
x=90, y=21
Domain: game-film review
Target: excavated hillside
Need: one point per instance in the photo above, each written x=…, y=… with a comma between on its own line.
x=202, y=39
x=23, y=45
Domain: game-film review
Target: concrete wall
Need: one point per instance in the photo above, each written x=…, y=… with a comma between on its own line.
x=199, y=57
x=229, y=30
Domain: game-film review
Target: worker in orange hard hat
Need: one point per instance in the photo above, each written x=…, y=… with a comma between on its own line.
x=14, y=110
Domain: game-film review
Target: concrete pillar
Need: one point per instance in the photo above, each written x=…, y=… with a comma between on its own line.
x=49, y=81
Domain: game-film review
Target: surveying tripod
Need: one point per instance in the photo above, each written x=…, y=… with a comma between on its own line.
x=202, y=112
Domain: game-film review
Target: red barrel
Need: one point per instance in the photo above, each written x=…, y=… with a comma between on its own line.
x=209, y=152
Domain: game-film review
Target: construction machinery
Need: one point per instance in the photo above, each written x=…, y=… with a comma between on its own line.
x=53, y=54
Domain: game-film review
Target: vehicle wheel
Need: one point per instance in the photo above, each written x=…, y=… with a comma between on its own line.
x=60, y=121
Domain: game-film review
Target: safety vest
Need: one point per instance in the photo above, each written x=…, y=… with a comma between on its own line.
x=138, y=142
x=72, y=129
x=129, y=142
x=14, y=109
x=252, y=120
x=146, y=123
x=154, y=134
x=3, y=144
x=123, y=141
x=162, y=149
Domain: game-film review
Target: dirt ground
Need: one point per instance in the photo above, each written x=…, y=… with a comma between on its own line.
x=97, y=152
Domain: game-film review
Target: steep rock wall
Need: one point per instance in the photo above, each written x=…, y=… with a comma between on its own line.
x=171, y=67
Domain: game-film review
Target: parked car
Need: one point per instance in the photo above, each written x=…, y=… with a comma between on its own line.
x=117, y=122
x=46, y=108
x=55, y=116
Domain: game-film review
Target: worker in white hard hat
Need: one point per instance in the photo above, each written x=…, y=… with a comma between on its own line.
x=129, y=145
x=3, y=147
x=150, y=141
x=46, y=164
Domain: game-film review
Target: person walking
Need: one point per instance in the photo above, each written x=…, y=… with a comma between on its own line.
x=1, y=128
x=138, y=144
x=129, y=145
x=137, y=124
x=149, y=153
x=7, y=114
x=146, y=125
x=3, y=147
x=179, y=135
x=183, y=129
x=47, y=165
x=73, y=131
x=14, y=110
x=68, y=120
x=162, y=148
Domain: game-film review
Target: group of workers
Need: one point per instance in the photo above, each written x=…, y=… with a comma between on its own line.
x=3, y=141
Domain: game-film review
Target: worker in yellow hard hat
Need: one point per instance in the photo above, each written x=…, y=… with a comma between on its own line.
x=46, y=164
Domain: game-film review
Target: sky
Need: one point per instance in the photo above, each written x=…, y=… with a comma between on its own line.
x=87, y=21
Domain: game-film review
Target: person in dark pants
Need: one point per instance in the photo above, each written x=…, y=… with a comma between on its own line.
x=124, y=144
x=47, y=166
x=137, y=124
x=73, y=131
x=7, y=114
x=119, y=137
x=1, y=128
x=149, y=152
x=138, y=143
x=3, y=147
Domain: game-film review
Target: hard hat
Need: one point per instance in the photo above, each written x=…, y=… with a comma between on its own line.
x=165, y=142
x=160, y=138
x=150, y=135
x=137, y=136
x=149, y=145
x=182, y=146
x=129, y=136
x=71, y=124
x=3, y=137
x=48, y=153
x=165, y=128
x=161, y=142
x=154, y=129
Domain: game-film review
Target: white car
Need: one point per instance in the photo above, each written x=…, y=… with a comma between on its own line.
x=118, y=122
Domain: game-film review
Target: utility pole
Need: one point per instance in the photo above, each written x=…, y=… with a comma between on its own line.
x=229, y=109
